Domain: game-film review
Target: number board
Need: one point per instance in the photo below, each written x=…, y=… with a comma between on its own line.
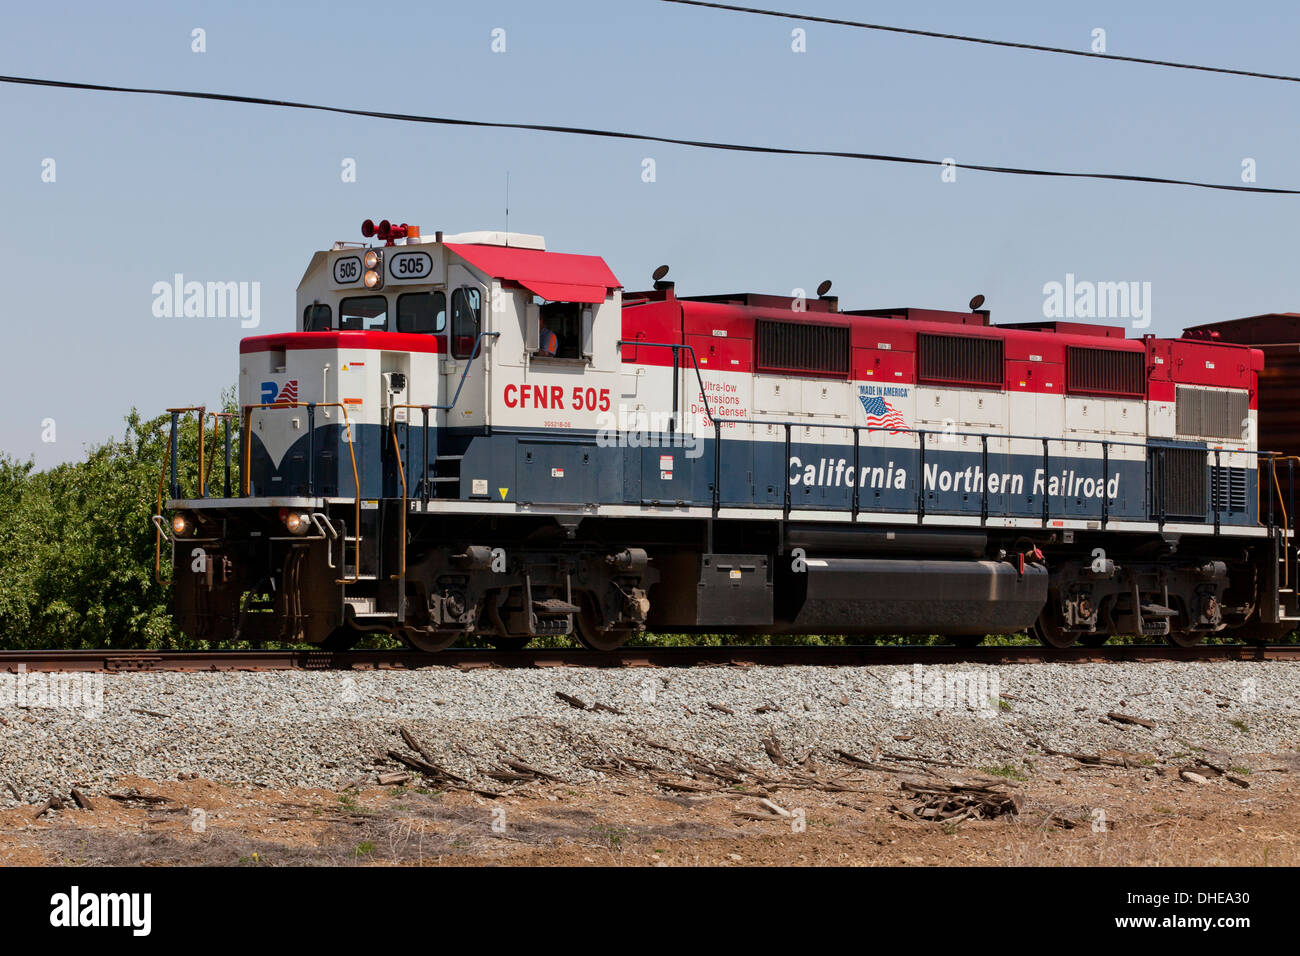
x=347, y=270
x=410, y=266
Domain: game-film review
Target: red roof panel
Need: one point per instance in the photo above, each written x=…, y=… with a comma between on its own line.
x=557, y=276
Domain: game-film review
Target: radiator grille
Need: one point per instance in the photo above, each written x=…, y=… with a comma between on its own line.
x=1105, y=371
x=802, y=348
x=1211, y=412
x=959, y=360
x=1228, y=489
x=1179, y=478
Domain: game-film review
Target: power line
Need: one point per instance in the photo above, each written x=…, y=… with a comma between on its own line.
x=640, y=137
x=984, y=40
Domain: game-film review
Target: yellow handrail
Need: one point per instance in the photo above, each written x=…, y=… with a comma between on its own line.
x=1277, y=486
x=245, y=478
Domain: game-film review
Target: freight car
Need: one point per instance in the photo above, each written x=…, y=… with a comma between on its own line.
x=472, y=435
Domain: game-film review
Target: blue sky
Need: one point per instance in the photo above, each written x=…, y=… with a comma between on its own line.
x=149, y=187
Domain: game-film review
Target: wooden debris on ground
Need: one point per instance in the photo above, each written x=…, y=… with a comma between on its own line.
x=577, y=703
x=958, y=800
x=1129, y=719
x=1127, y=761
x=773, y=748
x=434, y=773
x=135, y=796
x=81, y=800
x=1200, y=771
x=54, y=803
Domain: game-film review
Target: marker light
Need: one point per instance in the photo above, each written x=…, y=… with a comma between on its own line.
x=180, y=526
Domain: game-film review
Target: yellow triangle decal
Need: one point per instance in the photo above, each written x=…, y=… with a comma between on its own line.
x=503, y=493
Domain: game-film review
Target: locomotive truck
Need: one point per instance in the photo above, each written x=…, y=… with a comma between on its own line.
x=471, y=435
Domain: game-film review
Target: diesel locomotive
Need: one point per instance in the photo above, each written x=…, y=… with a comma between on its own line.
x=472, y=435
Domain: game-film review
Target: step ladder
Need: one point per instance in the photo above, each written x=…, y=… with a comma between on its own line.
x=1288, y=606
x=446, y=476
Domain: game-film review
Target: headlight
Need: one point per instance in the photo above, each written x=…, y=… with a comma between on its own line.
x=298, y=522
x=372, y=259
x=181, y=525
x=373, y=280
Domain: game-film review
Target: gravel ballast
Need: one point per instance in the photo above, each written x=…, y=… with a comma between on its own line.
x=323, y=729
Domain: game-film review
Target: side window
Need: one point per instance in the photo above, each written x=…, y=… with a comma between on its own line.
x=561, y=330
x=466, y=305
x=316, y=318
x=364, y=312
x=422, y=312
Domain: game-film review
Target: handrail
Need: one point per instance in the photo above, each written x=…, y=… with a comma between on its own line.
x=216, y=417
x=695, y=364
x=169, y=458
x=918, y=433
x=1273, y=459
x=246, y=476
x=401, y=471
x=475, y=353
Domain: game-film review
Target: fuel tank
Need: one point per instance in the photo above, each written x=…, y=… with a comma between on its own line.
x=901, y=596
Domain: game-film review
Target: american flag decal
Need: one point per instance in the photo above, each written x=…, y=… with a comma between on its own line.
x=288, y=393
x=880, y=414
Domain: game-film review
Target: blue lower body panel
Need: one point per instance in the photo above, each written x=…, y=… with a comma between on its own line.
x=571, y=468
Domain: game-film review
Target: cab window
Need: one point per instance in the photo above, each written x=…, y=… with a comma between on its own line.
x=466, y=303
x=364, y=312
x=564, y=319
x=422, y=312
x=316, y=318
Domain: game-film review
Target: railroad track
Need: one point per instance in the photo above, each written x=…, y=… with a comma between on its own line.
x=125, y=661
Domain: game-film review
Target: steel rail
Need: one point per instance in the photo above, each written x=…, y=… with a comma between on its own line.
x=126, y=660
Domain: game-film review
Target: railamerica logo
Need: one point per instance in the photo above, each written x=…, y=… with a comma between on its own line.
x=286, y=394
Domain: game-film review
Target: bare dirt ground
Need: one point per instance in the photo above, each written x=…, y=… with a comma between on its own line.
x=1071, y=814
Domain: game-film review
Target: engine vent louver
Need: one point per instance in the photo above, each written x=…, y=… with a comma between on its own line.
x=959, y=360
x=1178, y=477
x=1105, y=372
x=1228, y=490
x=1212, y=412
x=798, y=348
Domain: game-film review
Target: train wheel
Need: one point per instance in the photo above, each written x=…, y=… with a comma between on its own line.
x=1050, y=633
x=508, y=643
x=1185, y=638
x=584, y=628
x=428, y=640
